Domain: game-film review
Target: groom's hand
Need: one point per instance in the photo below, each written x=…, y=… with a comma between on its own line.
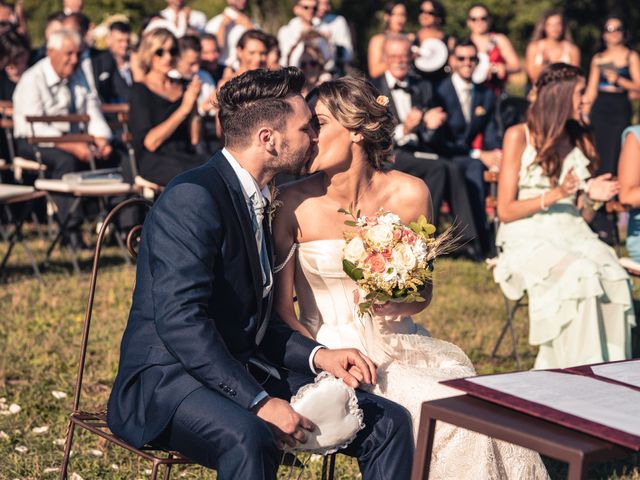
x=349, y=364
x=287, y=425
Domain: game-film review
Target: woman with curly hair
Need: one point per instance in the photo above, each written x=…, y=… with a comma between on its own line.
x=355, y=140
x=580, y=306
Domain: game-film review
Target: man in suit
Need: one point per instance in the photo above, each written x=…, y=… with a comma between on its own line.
x=469, y=136
x=412, y=103
x=111, y=69
x=203, y=357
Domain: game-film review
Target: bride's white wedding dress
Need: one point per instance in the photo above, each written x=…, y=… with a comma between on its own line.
x=411, y=363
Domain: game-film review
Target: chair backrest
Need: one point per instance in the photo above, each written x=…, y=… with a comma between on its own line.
x=117, y=115
x=132, y=236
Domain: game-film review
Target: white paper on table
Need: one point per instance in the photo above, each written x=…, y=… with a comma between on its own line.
x=601, y=402
x=625, y=372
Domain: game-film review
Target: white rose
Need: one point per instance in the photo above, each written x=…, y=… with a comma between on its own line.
x=380, y=235
x=354, y=250
x=403, y=258
x=419, y=249
x=388, y=219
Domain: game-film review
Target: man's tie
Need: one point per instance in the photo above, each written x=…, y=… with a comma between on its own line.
x=404, y=88
x=465, y=102
x=258, y=209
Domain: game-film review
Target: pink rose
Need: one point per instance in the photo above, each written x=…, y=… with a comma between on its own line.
x=376, y=263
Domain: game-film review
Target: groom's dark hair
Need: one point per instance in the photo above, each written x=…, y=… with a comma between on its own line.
x=256, y=98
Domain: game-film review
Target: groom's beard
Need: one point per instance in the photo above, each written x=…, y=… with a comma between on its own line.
x=296, y=162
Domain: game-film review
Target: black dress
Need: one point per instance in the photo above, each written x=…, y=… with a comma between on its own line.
x=176, y=154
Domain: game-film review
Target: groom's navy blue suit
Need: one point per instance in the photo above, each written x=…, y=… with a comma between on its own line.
x=198, y=316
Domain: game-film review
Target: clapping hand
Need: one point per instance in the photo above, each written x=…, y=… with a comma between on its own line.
x=348, y=364
x=191, y=94
x=413, y=120
x=603, y=188
x=570, y=184
x=434, y=118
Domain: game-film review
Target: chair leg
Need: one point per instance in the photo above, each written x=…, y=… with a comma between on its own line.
x=505, y=327
x=167, y=470
x=67, y=450
x=154, y=470
x=328, y=466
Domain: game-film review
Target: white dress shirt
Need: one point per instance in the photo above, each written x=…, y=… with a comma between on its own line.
x=402, y=101
x=234, y=32
x=291, y=47
x=336, y=29
x=41, y=91
x=464, y=90
x=250, y=187
x=197, y=20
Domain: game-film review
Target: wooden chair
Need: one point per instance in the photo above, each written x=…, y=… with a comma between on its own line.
x=95, y=422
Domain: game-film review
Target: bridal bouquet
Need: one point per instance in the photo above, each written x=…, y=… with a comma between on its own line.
x=390, y=261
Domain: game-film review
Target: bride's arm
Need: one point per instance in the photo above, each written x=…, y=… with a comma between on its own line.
x=416, y=201
x=284, y=228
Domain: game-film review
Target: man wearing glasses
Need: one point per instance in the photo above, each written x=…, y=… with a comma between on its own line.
x=469, y=133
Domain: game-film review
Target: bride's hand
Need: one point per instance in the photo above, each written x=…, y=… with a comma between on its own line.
x=603, y=188
x=398, y=309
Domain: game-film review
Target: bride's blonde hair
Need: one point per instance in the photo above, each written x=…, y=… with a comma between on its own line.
x=353, y=102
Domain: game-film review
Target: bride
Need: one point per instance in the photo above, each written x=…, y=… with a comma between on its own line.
x=355, y=131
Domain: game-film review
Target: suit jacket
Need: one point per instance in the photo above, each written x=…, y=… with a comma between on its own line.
x=422, y=97
x=456, y=134
x=112, y=88
x=197, y=306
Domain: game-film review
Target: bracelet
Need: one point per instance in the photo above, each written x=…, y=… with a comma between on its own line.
x=542, y=205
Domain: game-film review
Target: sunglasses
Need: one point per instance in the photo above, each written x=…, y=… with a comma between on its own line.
x=430, y=12
x=478, y=19
x=308, y=7
x=613, y=29
x=310, y=63
x=173, y=51
x=461, y=58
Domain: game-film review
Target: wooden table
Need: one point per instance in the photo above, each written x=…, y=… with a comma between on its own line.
x=555, y=441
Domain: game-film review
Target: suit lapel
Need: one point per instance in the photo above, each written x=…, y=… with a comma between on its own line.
x=242, y=214
x=387, y=93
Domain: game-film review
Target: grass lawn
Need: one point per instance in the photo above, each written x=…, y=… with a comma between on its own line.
x=40, y=329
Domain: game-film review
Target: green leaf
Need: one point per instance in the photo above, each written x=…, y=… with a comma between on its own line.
x=350, y=269
x=350, y=223
x=358, y=214
x=429, y=229
x=342, y=210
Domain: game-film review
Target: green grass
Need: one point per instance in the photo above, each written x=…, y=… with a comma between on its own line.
x=40, y=329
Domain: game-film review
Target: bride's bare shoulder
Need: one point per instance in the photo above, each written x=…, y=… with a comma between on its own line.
x=407, y=189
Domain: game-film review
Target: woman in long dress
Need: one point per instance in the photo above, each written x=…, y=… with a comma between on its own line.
x=355, y=131
x=580, y=306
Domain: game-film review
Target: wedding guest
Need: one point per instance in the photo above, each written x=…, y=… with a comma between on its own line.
x=251, y=53
x=54, y=22
x=395, y=19
x=14, y=49
x=614, y=75
x=188, y=67
x=112, y=68
x=417, y=119
x=80, y=23
x=312, y=65
x=550, y=43
x=273, y=53
x=580, y=305
x=15, y=16
x=469, y=135
x=228, y=27
x=432, y=18
x=629, y=175
x=184, y=19
x=56, y=86
x=300, y=32
x=210, y=56
x=497, y=50
x=336, y=30
x=164, y=123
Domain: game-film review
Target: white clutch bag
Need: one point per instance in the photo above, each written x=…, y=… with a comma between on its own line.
x=333, y=407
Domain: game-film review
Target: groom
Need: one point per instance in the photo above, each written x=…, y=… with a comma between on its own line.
x=206, y=367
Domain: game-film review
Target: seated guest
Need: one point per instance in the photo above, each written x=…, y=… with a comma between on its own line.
x=14, y=49
x=336, y=29
x=469, y=136
x=188, y=66
x=184, y=19
x=80, y=23
x=251, y=53
x=273, y=53
x=395, y=19
x=210, y=56
x=312, y=65
x=228, y=27
x=55, y=86
x=629, y=175
x=111, y=69
x=163, y=118
x=54, y=22
x=411, y=101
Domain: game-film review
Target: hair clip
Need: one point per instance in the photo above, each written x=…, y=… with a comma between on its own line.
x=382, y=100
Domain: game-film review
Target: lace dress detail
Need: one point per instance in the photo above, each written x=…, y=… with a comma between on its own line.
x=411, y=364
x=580, y=306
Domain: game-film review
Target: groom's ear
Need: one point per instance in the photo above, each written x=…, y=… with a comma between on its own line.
x=266, y=139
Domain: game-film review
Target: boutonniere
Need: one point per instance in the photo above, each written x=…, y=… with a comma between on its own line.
x=479, y=111
x=275, y=203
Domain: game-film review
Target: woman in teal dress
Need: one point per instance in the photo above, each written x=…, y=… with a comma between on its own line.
x=629, y=175
x=580, y=306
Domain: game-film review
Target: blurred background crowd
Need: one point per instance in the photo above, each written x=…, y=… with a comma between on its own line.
x=457, y=75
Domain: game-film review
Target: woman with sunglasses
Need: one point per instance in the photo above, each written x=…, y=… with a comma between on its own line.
x=550, y=43
x=613, y=76
x=432, y=17
x=580, y=305
x=312, y=65
x=395, y=19
x=496, y=48
x=164, y=123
